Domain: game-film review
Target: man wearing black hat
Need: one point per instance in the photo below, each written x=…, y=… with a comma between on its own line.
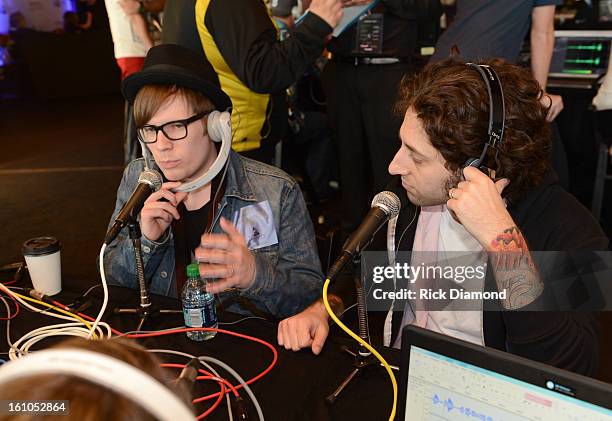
x=237, y=217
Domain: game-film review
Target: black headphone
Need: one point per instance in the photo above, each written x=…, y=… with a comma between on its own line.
x=497, y=118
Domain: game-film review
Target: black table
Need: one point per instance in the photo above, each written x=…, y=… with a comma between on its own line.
x=295, y=388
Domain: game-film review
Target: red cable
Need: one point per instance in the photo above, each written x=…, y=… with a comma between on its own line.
x=219, y=395
x=12, y=316
x=9, y=283
x=215, y=405
x=192, y=329
x=209, y=376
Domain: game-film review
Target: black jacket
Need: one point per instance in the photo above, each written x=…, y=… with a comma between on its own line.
x=402, y=20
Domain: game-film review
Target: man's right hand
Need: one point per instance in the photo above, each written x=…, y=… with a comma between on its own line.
x=328, y=10
x=157, y=215
x=306, y=329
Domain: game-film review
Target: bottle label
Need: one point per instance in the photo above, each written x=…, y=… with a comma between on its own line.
x=200, y=317
x=194, y=317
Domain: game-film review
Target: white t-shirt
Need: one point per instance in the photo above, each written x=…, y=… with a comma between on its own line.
x=462, y=324
x=453, y=240
x=125, y=40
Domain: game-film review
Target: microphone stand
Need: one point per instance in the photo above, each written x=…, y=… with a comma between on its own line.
x=145, y=309
x=363, y=358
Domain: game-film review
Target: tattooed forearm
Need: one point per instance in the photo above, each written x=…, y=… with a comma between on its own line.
x=514, y=269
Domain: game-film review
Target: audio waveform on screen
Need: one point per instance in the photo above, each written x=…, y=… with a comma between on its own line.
x=449, y=405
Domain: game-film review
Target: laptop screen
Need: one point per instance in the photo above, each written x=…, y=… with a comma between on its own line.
x=581, y=54
x=443, y=388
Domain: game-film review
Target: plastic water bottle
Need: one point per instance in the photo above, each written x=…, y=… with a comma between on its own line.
x=198, y=305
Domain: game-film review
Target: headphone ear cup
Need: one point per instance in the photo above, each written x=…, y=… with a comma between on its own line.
x=219, y=126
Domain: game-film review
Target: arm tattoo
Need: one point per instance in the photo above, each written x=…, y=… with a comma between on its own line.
x=514, y=269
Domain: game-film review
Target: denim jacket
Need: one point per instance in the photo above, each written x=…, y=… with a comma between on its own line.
x=288, y=272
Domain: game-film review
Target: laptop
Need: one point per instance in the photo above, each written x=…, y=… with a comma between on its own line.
x=442, y=378
x=581, y=54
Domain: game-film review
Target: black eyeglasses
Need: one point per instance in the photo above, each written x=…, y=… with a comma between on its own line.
x=173, y=130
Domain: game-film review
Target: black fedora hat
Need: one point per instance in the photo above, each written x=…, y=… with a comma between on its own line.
x=171, y=64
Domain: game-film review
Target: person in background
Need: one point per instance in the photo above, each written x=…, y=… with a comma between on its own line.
x=484, y=29
x=131, y=41
x=255, y=68
x=360, y=84
x=603, y=99
x=84, y=10
x=71, y=23
x=131, y=38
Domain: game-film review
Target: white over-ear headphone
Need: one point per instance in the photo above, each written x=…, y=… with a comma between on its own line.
x=219, y=128
x=106, y=371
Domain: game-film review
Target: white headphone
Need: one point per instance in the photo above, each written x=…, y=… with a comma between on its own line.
x=219, y=126
x=106, y=371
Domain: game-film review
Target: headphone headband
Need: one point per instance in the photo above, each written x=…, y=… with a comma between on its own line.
x=105, y=371
x=497, y=117
x=497, y=105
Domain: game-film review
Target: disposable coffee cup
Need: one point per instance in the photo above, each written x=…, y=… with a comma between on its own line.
x=42, y=256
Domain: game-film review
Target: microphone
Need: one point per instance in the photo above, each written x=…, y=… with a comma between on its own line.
x=149, y=181
x=385, y=205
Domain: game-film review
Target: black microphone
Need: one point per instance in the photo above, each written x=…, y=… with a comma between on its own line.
x=385, y=205
x=149, y=181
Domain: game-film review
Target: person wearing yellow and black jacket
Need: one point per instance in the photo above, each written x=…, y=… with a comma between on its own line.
x=254, y=67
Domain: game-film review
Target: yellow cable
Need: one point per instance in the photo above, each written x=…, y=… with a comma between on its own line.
x=33, y=300
x=364, y=343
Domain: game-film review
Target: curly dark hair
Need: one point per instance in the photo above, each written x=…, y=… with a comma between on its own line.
x=451, y=101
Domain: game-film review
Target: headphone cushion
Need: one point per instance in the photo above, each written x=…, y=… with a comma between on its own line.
x=219, y=126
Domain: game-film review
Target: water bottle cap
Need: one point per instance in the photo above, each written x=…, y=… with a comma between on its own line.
x=193, y=270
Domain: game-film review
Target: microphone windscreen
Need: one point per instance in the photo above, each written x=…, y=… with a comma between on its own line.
x=393, y=199
x=152, y=178
x=388, y=202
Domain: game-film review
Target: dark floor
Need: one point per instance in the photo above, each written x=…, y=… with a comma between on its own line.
x=60, y=167
x=59, y=173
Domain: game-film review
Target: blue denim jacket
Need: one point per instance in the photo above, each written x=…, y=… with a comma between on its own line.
x=288, y=273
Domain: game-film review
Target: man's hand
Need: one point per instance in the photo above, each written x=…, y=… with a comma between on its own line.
x=306, y=329
x=328, y=10
x=478, y=205
x=156, y=215
x=554, y=103
x=226, y=257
